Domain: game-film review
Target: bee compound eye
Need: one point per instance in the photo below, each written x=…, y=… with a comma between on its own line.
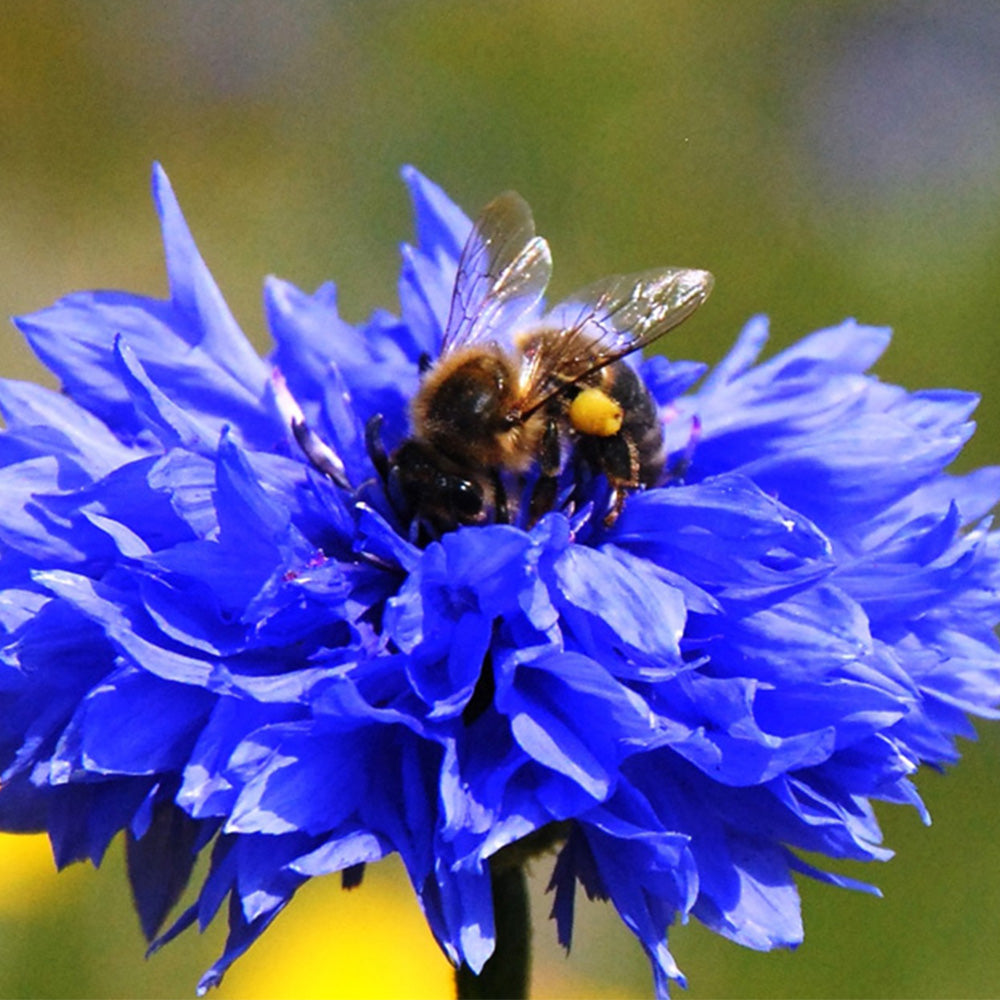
x=465, y=498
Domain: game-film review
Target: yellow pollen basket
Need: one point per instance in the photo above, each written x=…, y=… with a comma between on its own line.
x=595, y=412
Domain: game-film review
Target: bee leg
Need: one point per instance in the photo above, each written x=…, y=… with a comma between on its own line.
x=618, y=458
x=501, y=514
x=396, y=495
x=543, y=498
x=617, y=507
x=375, y=447
x=543, y=494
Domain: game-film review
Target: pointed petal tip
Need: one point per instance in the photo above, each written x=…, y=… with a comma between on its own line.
x=162, y=188
x=421, y=188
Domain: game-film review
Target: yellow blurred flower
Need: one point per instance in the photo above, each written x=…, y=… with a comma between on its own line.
x=27, y=874
x=333, y=943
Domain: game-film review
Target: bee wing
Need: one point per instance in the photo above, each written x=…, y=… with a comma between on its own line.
x=604, y=322
x=502, y=273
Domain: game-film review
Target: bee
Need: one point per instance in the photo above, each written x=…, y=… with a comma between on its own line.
x=512, y=394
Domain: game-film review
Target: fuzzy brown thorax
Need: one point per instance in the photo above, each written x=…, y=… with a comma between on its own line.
x=467, y=409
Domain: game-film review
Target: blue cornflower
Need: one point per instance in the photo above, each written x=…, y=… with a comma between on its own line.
x=221, y=633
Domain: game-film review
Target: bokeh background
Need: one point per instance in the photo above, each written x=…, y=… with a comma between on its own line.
x=824, y=160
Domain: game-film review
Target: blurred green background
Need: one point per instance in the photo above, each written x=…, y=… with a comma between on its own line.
x=824, y=160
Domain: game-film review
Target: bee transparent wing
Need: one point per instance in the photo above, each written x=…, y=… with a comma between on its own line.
x=502, y=274
x=604, y=322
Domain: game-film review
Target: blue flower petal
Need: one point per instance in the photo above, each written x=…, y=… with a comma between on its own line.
x=442, y=227
x=613, y=602
x=428, y=272
x=134, y=723
x=197, y=297
x=160, y=863
x=171, y=423
x=732, y=539
x=293, y=778
x=42, y=422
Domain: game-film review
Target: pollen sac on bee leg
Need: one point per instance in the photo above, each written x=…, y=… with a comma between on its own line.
x=594, y=412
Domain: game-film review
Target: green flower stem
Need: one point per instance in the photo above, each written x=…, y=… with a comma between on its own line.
x=505, y=975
